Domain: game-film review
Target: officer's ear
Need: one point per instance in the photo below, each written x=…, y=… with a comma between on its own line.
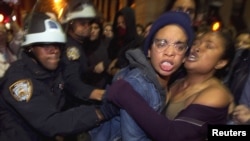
x=28, y=49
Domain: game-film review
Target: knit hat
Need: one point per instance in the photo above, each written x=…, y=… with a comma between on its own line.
x=172, y=17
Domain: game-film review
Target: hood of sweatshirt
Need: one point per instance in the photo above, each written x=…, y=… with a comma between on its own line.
x=137, y=59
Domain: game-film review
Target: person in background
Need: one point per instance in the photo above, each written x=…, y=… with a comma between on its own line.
x=193, y=102
x=148, y=72
x=147, y=29
x=17, y=36
x=238, y=77
x=242, y=40
x=7, y=56
x=3, y=65
x=241, y=113
x=188, y=6
x=96, y=51
x=239, y=69
x=140, y=29
x=146, y=32
x=108, y=31
x=77, y=27
x=125, y=37
x=32, y=95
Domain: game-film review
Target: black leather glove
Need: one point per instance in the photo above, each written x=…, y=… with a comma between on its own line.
x=108, y=109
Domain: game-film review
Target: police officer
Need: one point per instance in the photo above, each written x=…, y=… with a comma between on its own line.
x=32, y=95
x=77, y=25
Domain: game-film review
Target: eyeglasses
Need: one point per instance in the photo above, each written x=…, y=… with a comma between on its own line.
x=162, y=44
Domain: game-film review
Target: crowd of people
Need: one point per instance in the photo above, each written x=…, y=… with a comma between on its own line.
x=79, y=79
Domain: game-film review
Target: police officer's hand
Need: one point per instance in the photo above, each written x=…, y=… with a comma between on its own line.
x=108, y=109
x=97, y=94
x=99, y=68
x=112, y=70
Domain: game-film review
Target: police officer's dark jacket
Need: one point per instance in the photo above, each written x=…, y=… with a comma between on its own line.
x=238, y=73
x=75, y=65
x=31, y=105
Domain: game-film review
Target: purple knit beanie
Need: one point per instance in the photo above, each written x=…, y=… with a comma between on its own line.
x=172, y=17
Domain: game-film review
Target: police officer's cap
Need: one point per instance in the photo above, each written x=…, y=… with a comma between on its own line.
x=43, y=29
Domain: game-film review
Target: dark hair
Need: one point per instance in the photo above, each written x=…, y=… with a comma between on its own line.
x=228, y=54
x=100, y=25
x=140, y=25
x=170, y=5
x=129, y=18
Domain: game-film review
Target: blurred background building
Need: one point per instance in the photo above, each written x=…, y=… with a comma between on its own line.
x=233, y=13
